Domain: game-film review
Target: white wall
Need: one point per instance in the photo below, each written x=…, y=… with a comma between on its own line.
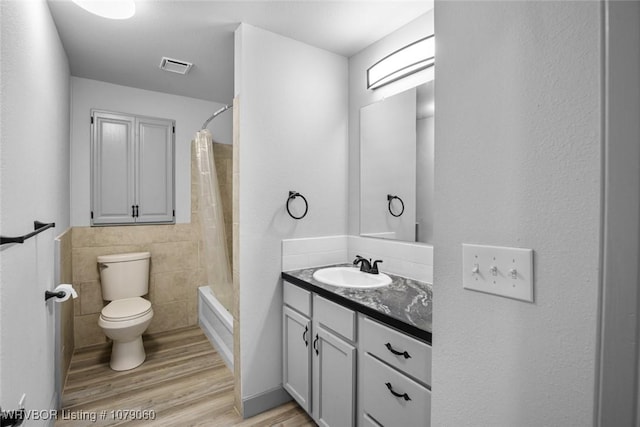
x=517, y=164
x=293, y=136
x=189, y=114
x=34, y=185
x=359, y=96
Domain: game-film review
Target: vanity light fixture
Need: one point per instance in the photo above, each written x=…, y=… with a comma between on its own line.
x=111, y=9
x=410, y=59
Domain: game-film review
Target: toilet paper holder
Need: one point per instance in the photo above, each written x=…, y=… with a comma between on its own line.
x=50, y=294
x=63, y=292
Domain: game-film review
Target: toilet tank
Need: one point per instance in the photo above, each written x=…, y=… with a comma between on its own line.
x=124, y=275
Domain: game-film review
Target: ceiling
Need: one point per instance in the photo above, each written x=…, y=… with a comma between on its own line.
x=128, y=52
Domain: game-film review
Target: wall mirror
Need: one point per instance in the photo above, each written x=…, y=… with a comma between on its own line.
x=396, y=166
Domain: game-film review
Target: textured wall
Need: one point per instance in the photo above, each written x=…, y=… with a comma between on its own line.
x=293, y=136
x=34, y=185
x=517, y=164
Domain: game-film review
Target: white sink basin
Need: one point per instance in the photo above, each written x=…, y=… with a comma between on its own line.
x=349, y=277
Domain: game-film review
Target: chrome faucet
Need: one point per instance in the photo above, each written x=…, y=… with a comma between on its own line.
x=365, y=265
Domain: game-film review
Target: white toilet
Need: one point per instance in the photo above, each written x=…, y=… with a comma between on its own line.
x=124, y=279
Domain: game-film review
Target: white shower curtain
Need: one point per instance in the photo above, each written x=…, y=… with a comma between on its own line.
x=212, y=222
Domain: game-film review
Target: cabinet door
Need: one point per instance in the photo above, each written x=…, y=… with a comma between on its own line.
x=334, y=382
x=113, y=165
x=296, y=356
x=154, y=180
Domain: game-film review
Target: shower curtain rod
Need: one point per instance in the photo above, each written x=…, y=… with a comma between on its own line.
x=214, y=115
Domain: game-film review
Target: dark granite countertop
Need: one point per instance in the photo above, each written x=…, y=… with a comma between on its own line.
x=405, y=304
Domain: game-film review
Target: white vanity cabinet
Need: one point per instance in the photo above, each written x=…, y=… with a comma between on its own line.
x=296, y=356
x=334, y=364
x=346, y=369
x=395, y=377
x=296, y=345
x=319, y=356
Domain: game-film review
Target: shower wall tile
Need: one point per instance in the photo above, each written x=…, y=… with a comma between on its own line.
x=90, y=297
x=85, y=260
x=87, y=331
x=65, y=275
x=192, y=309
x=172, y=286
x=167, y=316
x=172, y=256
x=237, y=371
x=83, y=237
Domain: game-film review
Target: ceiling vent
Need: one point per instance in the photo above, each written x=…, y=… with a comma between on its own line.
x=175, y=65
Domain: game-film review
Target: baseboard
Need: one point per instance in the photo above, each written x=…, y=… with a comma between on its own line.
x=258, y=403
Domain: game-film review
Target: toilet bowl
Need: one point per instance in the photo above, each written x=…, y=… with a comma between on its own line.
x=124, y=321
x=124, y=279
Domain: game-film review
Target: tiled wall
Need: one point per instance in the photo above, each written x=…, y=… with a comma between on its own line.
x=413, y=260
x=408, y=259
x=235, y=309
x=313, y=252
x=223, y=154
x=65, y=275
x=177, y=265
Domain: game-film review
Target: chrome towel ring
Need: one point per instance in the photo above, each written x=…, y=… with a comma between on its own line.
x=292, y=196
x=390, y=199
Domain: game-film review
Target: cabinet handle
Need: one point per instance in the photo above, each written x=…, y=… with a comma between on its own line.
x=137, y=207
x=396, y=352
x=133, y=211
x=315, y=345
x=304, y=336
x=405, y=396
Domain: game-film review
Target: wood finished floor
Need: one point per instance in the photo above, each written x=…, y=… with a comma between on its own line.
x=183, y=380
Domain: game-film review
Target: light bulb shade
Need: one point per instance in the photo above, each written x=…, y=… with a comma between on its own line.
x=410, y=59
x=112, y=9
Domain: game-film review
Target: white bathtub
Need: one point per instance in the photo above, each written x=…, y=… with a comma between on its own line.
x=217, y=324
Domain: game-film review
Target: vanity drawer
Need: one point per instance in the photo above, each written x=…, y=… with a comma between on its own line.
x=387, y=409
x=335, y=317
x=297, y=298
x=382, y=341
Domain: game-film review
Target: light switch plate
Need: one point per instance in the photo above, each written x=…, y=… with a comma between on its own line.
x=507, y=272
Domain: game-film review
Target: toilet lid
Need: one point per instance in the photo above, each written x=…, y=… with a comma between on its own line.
x=126, y=309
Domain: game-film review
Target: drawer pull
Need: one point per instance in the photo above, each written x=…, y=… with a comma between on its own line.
x=405, y=396
x=396, y=352
x=304, y=336
x=315, y=345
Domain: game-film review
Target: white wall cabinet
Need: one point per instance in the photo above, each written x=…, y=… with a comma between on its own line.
x=319, y=363
x=132, y=169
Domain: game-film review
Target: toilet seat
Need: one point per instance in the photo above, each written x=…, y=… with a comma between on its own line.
x=126, y=309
